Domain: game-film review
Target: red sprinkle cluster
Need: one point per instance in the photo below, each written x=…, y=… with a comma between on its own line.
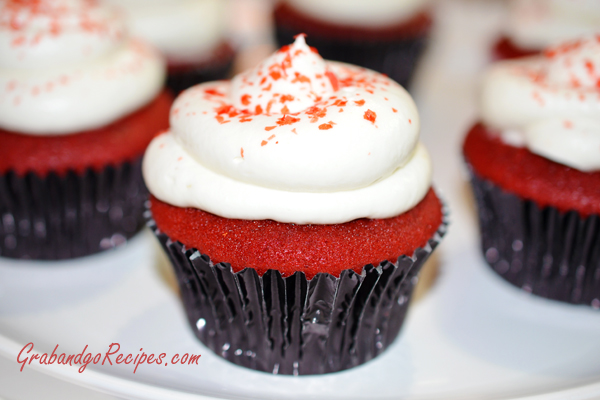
x=16, y=16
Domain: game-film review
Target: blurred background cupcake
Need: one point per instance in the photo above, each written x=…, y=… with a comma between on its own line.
x=533, y=25
x=383, y=35
x=535, y=163
x=79, y=103
x=191, y=34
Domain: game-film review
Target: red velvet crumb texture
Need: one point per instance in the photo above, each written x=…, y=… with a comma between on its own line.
x=505, y=49
x=530, y=176
x=267, y=244
x=123, y=140
x=289, y=17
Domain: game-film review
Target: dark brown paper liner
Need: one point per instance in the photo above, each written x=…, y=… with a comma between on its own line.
x=541, y=250
x=60, y=217
x=395, y=58
x=294, y=325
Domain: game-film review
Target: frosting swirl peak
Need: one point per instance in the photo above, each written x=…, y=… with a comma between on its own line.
x=290, y=81
x=343, y=144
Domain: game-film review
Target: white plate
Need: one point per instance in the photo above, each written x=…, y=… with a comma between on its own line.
x=472, y=337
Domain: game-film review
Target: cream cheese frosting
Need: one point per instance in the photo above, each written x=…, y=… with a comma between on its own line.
x=364, y=13
x=185, y=31
x=549, y=103
x=536, y=24
x=297, y=140
x=68, y=66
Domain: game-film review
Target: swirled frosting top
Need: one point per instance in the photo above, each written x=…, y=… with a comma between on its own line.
x=536, y=24
x=185, y=31
x=550, y=103
x=68, y=66
x=297, y=139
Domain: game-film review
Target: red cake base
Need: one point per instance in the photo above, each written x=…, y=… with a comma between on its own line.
x=530, y=176
x=122, y=141
x=289, y=248
x=505, y=49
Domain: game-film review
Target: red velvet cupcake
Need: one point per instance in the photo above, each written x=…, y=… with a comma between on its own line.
x=191, y=34
x=386, y=36
x=536, y=24
x=80, y=102
x=295, y=203
x=535, y=162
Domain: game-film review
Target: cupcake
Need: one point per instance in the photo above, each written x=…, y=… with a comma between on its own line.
x=383, y=35
x=534, y=25
x=191, y=34
x=535, y=165
x=79, y=103
x=295, y=203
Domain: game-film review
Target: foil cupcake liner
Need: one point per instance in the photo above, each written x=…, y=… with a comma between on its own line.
x=59, y=217
x=546, y=252
x=395, y=58
x=293, y=325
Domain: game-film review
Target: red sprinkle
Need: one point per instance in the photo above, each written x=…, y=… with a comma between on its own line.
x=287, y=120
x=246, y=99
x=333, y=79
x=269, y=128
x=370, y=116
x=359, y=102
x=326, y=126
x=213, y=92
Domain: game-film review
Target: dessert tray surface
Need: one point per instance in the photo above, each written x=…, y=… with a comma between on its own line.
x=472, y=336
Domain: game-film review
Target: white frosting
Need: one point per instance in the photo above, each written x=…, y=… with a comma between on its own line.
x=344, y=154
x=551, y=101
x=536, y=24
x=67, y=66
x=365, y=13
x=185, y=31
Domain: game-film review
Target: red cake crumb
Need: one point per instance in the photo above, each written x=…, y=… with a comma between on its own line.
x=416, y=26
x=267, y=244
x=123, y=140
x=531, y=176
x=505, y=49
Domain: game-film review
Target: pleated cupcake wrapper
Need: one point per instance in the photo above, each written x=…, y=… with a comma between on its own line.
x=395, y=58
x=293, y=325
x=178, y=81
x=541, y=250
x=73, y=215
